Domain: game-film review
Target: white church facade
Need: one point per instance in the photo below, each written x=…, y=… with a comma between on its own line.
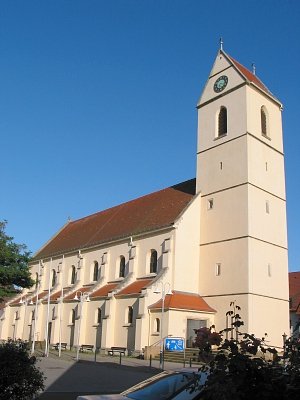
x=172, y=261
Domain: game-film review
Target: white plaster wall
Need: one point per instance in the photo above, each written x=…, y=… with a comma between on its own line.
x=233, y=257
x=265, y=167
x=260, y=256
x=236, y=119
x=234, y=79
x=255, y=100
x=213, y=176
x=229, y=217
x=185, y=275
x=270, y=227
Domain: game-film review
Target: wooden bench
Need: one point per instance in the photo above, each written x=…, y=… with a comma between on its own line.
x=116, y=349
x=63, y=346
x=86, y=347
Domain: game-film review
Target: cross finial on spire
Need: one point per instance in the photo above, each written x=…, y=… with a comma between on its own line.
x=253, y=69
x=221, y=43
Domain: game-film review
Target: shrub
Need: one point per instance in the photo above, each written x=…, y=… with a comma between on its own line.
x=19, y=377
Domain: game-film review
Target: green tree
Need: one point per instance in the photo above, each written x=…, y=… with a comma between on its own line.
x=14, y=271
x=243, y=367
x=19, y=377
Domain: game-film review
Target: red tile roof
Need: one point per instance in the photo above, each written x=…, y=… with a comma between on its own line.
x=294, y=291
x=135, y=287
x=249, y=75
x=29, y=298
x=53, y=296
x=83, y=289
x=156, y=210
x=183, y=301
x=15, y=302
x=104, y=290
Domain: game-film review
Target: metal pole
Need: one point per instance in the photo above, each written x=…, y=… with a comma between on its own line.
x=25, y=307
x=79, y=322
x=48, y=312
x=61, y=305
x=161, y=355
x=36, y=309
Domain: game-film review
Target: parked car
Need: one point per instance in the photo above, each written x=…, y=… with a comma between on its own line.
x=184, y=384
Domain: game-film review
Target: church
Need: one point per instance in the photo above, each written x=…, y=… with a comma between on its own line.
x=174, y=260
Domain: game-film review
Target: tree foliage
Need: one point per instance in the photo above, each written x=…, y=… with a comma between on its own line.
x=19, y=377
x=14, y=271
x=243, y=367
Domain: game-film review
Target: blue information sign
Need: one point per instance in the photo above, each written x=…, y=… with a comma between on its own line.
x=174, y=344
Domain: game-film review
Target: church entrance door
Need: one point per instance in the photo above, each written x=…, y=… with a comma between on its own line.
x=193, y=324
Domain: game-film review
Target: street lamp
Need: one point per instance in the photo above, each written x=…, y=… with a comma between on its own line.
x=60, y=269
x=38, y=283
x=164, y=292
x=84, y=296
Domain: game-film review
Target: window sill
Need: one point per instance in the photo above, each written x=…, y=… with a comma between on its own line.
x=155, y=334
x=221, y=136
x=266, y=136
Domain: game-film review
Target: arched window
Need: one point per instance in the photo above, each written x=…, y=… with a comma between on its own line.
x=222, y=121
x=157, y=325
x=263, y=121
x=73, y=275
x=153, y=261
x=33, y=315
x=96, y=271
x=122, y=267
x=99, y=315
x=53, y=278
x=73, y=316
x=53, y=313
x=130, y=315
x=36, y=280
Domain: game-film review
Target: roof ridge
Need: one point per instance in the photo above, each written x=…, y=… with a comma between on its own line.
x=131, y=201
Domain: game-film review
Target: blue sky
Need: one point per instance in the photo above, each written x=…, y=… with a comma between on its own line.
x=97, y=99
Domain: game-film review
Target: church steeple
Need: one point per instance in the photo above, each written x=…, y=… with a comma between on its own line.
x=240, y=175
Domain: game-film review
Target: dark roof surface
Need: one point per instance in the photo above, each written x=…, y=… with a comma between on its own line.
x=153, y=211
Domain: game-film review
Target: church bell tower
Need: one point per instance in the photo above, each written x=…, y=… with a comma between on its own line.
x=240, y=175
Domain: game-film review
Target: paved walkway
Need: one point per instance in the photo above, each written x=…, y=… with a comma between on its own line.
x=66, y=378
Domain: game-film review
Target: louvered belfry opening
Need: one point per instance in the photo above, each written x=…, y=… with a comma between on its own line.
x=263, y=119
x=222, y=121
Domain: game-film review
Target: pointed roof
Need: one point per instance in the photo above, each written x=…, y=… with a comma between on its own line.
x=248, y=75
x=183, y=301
x=135, y=288
x=225, y=64
x=151, y=212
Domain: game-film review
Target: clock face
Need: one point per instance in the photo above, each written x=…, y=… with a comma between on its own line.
x=220, y=83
